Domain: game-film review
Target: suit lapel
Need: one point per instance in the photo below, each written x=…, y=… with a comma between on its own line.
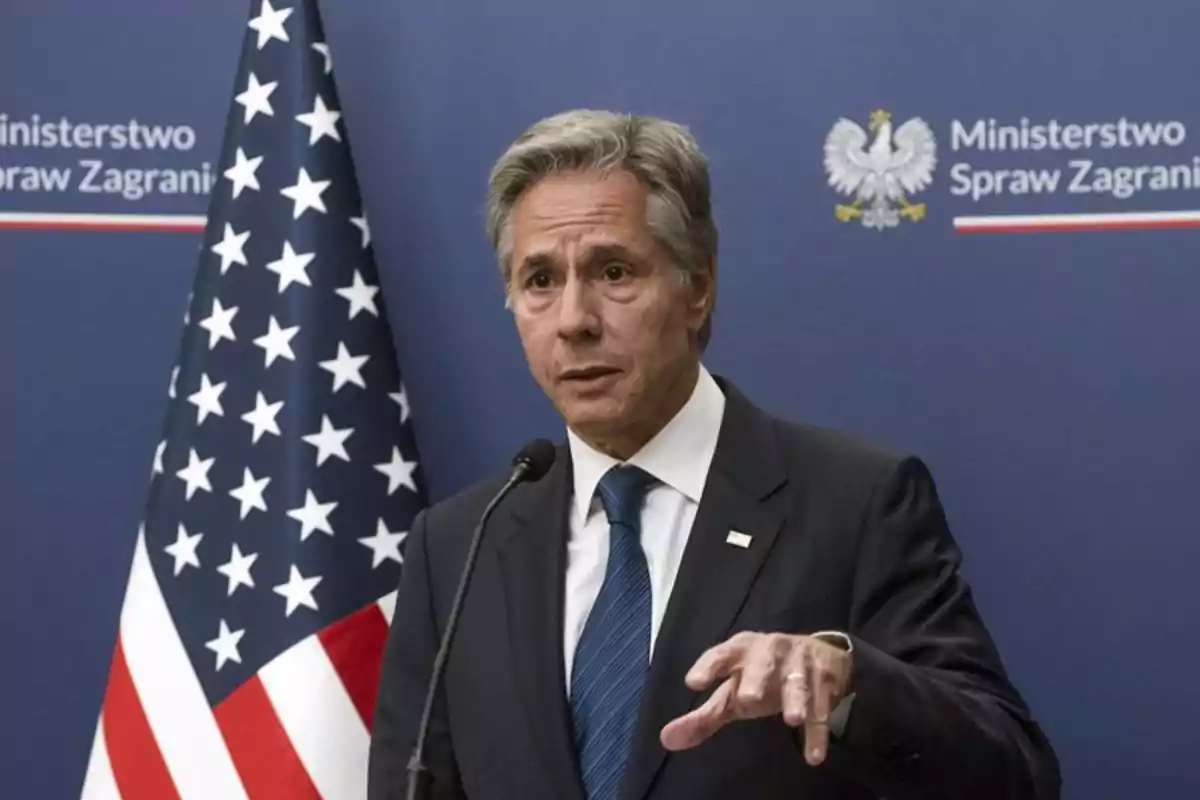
x=533, y=562
x=714, y=577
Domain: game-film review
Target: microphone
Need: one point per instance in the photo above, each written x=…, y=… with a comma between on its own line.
x=531, y=463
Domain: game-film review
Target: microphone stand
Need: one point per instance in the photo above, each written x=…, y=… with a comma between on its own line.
x=420, y=779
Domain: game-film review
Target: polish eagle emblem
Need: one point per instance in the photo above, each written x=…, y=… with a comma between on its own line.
x=881, y=173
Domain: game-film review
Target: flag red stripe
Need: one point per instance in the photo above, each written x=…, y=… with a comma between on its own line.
x=354, y=645
x=137, y=764
x=261, y=750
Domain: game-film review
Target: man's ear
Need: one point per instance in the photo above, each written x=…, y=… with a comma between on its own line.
x=702, y=298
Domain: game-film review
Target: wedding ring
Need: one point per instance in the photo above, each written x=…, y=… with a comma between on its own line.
x=794, y=676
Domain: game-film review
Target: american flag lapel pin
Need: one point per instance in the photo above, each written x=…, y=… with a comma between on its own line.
x=739, y=539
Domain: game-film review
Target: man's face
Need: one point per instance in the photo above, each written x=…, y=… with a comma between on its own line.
x=608, y=327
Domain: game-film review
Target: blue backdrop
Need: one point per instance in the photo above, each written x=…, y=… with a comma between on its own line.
x=1050, y=378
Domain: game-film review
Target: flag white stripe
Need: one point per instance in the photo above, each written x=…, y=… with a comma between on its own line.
x=176, y=708
x=326, y=731
x=387, y=604
x=99, y=783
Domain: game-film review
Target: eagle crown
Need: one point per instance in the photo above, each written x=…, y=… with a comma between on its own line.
x=878, y=117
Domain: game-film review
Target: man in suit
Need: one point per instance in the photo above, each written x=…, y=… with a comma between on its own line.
x=699, y=600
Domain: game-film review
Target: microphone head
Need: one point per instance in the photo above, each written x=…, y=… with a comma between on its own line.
x=537, y=456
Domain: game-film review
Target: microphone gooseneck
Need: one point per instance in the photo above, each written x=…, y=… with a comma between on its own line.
x=531, y=463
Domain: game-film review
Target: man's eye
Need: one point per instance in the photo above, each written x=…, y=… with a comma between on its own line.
x=538, y=280
x=616, y=271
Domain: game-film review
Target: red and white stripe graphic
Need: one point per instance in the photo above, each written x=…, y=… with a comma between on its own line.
x=997, y=223
x=1125, y=220
x=299, y=729
x=101, y=222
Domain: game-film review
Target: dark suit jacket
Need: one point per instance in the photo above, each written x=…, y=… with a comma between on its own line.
x=844, y=537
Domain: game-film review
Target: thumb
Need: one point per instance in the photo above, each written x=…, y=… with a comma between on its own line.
x=698, y=725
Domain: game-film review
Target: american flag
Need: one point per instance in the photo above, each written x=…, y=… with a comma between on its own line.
x=262, y=579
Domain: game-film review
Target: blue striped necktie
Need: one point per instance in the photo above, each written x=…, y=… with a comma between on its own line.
x=613, y=654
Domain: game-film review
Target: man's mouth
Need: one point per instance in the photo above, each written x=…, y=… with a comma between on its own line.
x=587, y=374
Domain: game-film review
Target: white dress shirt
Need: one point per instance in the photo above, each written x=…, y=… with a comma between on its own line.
x=679, y=457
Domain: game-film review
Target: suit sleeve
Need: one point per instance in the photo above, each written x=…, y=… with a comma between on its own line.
x=404, y=677
x=934, y=714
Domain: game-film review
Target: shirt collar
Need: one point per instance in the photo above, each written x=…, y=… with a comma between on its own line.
x=679, y=455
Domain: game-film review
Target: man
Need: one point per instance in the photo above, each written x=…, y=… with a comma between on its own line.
x=699, y=600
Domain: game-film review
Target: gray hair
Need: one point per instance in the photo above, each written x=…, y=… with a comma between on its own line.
x=663, y=155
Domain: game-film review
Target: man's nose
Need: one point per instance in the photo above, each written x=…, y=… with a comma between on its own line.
x=578, y=316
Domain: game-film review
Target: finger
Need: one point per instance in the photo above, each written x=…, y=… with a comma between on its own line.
x=795, y=689
x=758, y=681
x=823, y=683
x=719, y=661
x=699, y=724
